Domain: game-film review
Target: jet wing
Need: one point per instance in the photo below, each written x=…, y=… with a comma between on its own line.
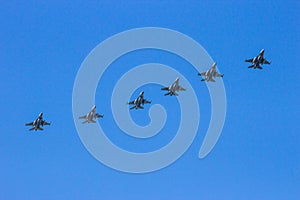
x=165, y=88
x=181, y=88
x=99, y=116
x=82, y=117
x=266, y=62
x=29, y=124
x=130, y=102
x=45, y=123
x=216, y=74
x=146, y=101
x=202, y=74
x=249, y=60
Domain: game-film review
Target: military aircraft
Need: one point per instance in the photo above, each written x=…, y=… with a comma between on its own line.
x=38, y=123
x=139, y=102
x=258, y=60
x=210, y=74
x=172, y=89
x=89, y=118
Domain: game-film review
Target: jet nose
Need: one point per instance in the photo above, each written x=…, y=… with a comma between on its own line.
x=262, y=51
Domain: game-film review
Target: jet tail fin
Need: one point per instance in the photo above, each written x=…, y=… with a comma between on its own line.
x=40, y=129
x=251, y=66
x=31, y=129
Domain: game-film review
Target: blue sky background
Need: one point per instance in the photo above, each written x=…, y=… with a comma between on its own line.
x=42, y=47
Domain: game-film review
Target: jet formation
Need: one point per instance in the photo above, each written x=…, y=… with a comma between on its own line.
x=91, y=116
x=172, y=89
x=210, y=74
x=256, y=61
x=139, y=102
x=38, y=123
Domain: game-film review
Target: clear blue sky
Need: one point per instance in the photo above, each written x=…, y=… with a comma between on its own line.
x=42, y=46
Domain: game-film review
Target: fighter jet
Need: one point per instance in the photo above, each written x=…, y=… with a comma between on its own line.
x=210, y=74
x=89, y=118
x=38, y=123
x=139, y=102
x=258, y=60
x=172, y=89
